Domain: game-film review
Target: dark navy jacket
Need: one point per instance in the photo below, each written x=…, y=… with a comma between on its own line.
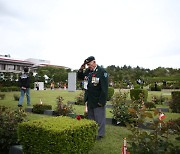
x=24, y=81
x=97, y=86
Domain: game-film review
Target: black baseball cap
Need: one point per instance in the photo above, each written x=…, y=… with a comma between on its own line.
x=89, y=59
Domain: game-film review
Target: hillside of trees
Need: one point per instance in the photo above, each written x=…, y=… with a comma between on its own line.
x=129, y=75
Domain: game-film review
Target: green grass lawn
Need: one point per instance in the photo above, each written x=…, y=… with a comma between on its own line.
x=111, y=144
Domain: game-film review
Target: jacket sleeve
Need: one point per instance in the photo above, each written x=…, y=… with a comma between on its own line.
x=20, y=82
x=28, y=82
x=80, y=75
x=104, y=88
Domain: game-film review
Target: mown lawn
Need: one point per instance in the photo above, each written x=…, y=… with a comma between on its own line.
x=111, y=144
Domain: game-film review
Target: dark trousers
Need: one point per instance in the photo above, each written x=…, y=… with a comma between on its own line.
x=99, y=115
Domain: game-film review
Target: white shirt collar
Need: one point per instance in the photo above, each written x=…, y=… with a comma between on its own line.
x=95, y=68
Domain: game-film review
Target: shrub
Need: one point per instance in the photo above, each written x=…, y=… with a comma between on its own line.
x=63, y=109
x=154, y=141
x=16, y=97
x=149, y=105
x=174, y=125
x=2, y=96
x=40, y=108
x=80, y=99
x=7, y=89
x=137, y=86
x=144, y=142
x=137, y=94
x=175, y=103
x=152, y=88
x=55, y=135
x=110, y=93
x=8, y=126
x=120, y=108
x=4, y=89
x=13, y=88
x=159, y=99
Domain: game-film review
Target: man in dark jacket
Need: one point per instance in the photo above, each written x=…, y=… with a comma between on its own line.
x=96, y=90
x=24, y=82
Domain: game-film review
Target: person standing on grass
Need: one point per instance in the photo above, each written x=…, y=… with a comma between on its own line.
x=96, y=91
x=24, y=82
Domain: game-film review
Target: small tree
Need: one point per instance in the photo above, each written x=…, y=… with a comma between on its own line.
x=63, y=109
x=80, y=99
x=120, y=108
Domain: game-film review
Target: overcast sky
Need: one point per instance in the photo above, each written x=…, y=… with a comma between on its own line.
x=144, y=33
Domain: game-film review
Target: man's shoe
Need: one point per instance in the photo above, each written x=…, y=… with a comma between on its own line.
x=28, y=104
x=19, y=105
x=99, y=137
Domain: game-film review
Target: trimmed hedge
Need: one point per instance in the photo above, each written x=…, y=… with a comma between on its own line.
x=152, y=88
x=175, y=103
x=55, y=135
x=40, y=108
x=7, y=89
x=110, y=93
x=135, y=94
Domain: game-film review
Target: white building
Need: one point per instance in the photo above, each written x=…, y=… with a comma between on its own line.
x=8, y=64
x=38, y=61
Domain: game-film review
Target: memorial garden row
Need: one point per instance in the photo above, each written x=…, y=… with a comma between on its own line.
x=44, y=131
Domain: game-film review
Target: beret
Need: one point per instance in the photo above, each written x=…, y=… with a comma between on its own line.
x=89, y=59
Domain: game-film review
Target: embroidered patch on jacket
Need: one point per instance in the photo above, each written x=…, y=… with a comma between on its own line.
x=105, y=75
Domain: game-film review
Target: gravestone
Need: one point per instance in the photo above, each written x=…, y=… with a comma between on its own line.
x=72, y=81
x=40, y=85
x=28, y=109
x=48, y=112
x=163, y=109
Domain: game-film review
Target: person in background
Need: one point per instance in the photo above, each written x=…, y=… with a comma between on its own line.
x=96, y=91
x=24, y=83
x=37, y=86
x=52, y=85
x=65, y=86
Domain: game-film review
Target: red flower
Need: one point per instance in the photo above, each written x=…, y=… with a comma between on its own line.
x=93, y=75
x=78, y=117
x=162, y=116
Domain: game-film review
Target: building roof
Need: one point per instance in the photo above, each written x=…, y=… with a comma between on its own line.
x=57, y=66
x=7, y=60
x=35, y=63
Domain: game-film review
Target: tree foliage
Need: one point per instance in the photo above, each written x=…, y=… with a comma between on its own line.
x=128, y=73
x=53, y=74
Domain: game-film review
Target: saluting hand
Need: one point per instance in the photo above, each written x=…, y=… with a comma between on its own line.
x=82, y=67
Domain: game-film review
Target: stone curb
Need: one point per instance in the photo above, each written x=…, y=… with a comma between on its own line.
x=16, y=149
x=163, y=109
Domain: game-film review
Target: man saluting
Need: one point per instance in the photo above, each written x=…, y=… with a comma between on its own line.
x=96, y=90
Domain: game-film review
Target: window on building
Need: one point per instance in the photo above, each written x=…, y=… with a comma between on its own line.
x=2, y=66
x=18, y=68
x=10, y=67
